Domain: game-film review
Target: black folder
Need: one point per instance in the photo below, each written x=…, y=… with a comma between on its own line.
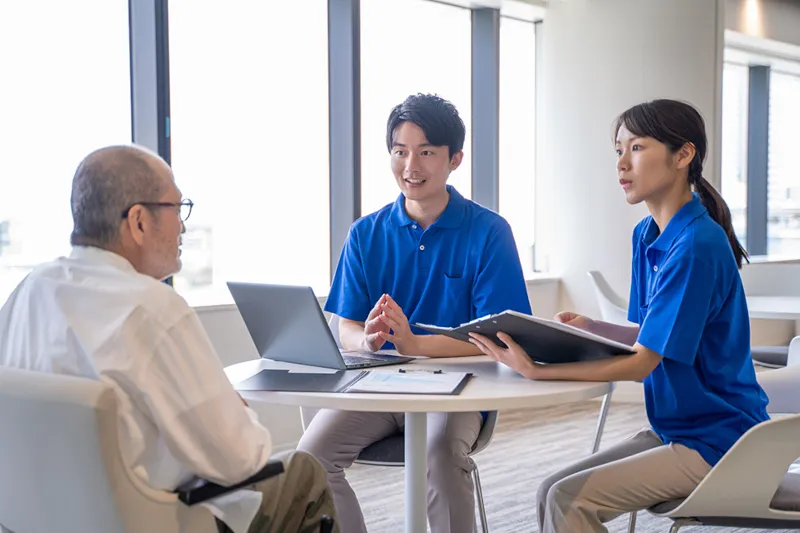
x=545, y=341
x=283, y=380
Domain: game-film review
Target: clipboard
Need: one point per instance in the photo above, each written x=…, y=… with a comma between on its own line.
x=411, y=382
x=358, y=381
x=545, y=341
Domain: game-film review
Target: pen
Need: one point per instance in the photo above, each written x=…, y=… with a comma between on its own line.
x=404, y=371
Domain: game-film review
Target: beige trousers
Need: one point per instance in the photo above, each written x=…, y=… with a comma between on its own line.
x=336, y=438
x=632, y=475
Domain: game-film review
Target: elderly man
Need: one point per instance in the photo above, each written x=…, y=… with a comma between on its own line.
x=102, y=313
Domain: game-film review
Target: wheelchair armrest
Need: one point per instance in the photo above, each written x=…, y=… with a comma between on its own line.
x=206, y=490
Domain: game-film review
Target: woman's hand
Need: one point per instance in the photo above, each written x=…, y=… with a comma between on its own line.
x=513, y=357
x=574, y=319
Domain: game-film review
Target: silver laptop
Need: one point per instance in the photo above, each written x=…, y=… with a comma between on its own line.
x=287, y=324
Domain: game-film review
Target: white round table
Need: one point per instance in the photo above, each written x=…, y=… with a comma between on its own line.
x=492, y=387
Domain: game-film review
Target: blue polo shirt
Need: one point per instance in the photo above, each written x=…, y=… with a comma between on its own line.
x=464, y=266
x=687, y=297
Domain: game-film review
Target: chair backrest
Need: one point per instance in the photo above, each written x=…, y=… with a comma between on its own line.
x=486, y=433
x=744, y=481
x=613, y=308
x=794, y=352
x=61, y=467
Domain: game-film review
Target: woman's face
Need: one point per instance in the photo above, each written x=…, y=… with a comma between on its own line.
x=647, y=169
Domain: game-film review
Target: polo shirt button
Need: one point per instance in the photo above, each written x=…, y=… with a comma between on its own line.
x=422, y=247
x=655, y=268
x=414, y=226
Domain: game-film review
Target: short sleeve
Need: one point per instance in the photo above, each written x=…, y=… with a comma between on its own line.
x=678, y=311
x=349, y=296
x=499, y=282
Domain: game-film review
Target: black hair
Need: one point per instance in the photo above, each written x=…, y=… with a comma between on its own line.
x=437, y=118
x=674, y=124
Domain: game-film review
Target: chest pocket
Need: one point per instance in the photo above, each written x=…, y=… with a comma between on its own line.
x=457, y=297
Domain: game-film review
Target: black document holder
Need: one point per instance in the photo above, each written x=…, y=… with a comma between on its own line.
x=545, y=341
x=283, y=380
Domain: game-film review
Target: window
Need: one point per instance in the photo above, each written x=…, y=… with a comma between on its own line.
x=435, y=57
x=783, y=197
x=518, y=132
x=735, y=79
x=249, y=129
x=66, y=92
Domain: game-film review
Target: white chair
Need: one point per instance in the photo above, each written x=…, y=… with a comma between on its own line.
x=61, y=469
x=750, y=486
x=613, y=307
x=391, y=450
x=793, y=357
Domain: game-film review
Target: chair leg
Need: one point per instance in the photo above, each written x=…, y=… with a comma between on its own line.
x=632, y=522
x=476, y=478
x=675, y=527
x=601, y=421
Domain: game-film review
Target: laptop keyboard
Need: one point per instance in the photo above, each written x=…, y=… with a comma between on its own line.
x=352, y=359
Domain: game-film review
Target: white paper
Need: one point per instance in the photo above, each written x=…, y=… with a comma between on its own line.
x=408, y=382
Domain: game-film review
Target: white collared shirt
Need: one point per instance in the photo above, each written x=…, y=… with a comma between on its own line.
x=92, y=315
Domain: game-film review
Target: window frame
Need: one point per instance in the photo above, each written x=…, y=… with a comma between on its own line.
x=762, y=57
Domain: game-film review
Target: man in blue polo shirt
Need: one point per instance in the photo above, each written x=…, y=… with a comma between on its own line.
x=432, y=257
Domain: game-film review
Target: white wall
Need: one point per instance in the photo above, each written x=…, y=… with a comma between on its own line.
x=599, y=58
x=778, y=20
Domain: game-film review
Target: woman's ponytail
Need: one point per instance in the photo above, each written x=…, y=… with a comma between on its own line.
x=717, y=208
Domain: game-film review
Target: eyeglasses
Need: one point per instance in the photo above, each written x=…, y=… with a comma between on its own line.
x=184, y=208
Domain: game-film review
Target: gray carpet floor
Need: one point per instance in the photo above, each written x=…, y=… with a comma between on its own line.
x=528, y=445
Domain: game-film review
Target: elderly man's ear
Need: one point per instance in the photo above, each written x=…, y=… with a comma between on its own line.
x=136, y=223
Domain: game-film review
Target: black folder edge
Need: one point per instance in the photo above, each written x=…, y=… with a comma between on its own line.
x=457, y=390
x=462, y=332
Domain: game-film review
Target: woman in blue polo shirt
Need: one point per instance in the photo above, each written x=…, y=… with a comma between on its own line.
x=692, y=341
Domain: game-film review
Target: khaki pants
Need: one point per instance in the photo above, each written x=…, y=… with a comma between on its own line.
x=632, y=475
x=295, y=501
x=336, y=438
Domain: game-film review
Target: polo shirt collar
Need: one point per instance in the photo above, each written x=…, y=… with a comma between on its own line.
x=452, y=216
x=685, y=215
